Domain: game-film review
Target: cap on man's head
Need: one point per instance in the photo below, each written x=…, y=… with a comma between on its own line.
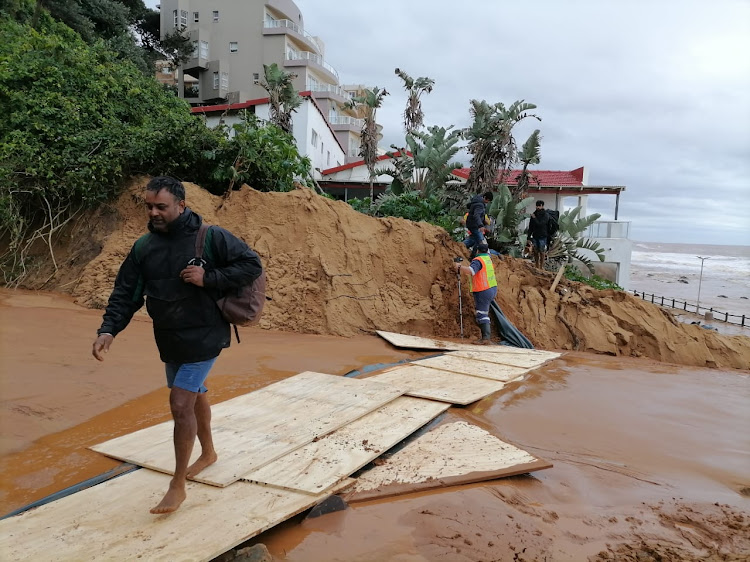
x=483, y=248
x=540, y=203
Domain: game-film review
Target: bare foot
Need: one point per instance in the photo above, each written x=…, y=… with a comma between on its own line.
x=206, y=459
x=171, y=500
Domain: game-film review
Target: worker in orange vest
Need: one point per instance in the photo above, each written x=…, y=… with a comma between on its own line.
x=483, y=289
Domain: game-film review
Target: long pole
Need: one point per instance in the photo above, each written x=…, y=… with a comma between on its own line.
x=700, y=280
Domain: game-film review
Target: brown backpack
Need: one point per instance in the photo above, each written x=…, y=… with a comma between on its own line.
x=242, y=306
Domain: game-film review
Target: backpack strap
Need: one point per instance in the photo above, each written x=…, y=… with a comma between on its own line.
x=200, y=240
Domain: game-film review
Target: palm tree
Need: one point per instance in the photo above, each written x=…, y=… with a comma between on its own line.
x=413, y=115
x=425, y=163
x=283, y=98
x=569, y=243
x=491, y=143
x=529, y=154
x=369, y=102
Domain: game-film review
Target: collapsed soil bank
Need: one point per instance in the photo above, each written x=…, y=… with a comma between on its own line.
x=332, y=270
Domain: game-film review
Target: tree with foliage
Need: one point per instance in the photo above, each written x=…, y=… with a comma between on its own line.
x=507, y=215
x=260, y=155
x=528, y=155
x=368, y=150
x=77, y=122
x=283, y=98
x=491, y=142
x=413, y=115
x=569, y=245
x=424, y=164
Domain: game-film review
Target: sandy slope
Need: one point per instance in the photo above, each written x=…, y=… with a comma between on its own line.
x=335, y=271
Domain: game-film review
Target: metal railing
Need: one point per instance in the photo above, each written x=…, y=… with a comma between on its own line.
x=345, y=120
x=329, y=88
x=289, y=24
x=608, y=229
x=317, y=59
x=668, y=302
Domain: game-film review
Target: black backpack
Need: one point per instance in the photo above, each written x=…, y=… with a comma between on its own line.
x=554, y=223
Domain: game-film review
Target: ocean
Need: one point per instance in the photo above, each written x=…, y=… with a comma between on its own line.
x=674, y=271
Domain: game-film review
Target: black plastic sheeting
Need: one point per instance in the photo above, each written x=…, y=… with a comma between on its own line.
x=510, y=334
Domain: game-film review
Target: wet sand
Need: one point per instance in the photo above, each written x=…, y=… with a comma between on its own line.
x=648, y=457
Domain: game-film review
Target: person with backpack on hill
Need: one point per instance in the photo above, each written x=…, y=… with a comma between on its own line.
x=475, y=220
x=483, y=289
x=189, y=328
x=539, y=231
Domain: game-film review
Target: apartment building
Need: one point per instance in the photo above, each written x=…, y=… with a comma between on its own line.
x=233, y=39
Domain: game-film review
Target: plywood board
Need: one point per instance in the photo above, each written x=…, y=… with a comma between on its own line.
x=319, y=465
x=416, y=342
x=451, y=454
x=438, y=385
x=484, y=369
x=111, y=521
x=255, y=429
x=513, y=359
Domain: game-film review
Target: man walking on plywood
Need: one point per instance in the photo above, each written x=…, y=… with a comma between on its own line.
x=189, y=329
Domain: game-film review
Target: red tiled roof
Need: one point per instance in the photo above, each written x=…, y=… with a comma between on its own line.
x=573, y=178
x=359, y=163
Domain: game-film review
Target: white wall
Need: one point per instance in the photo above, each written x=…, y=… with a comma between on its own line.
x=618, y=250
x=326, y=153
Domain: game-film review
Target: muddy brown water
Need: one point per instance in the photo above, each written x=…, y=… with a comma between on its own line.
x=648, y=457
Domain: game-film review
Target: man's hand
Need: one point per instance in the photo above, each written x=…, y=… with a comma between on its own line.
x=102, y=344
x=193, y=274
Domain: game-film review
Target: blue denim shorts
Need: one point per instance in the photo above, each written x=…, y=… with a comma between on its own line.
x=540, y=243
x=189, y=376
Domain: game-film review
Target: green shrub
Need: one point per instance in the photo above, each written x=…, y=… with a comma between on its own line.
x=572, y=273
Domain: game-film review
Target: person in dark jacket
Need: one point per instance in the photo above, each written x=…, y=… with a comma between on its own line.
x=475, y=222
x=538, y=231
x=189, y=328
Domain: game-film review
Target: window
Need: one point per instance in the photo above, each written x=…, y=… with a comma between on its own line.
x=176, y=21
x=224, y=80
x=233, y=47
x=321, y=148
x=195, y=49
x=328, y=159
x=195, y=17
x=256, y=79
x=216, y=15
x=204, y=49
x=183, y=18
x=166, y=70
x=216, y=80
x=314, y=140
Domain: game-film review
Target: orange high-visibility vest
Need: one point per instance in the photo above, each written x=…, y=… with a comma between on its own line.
x=484, y=278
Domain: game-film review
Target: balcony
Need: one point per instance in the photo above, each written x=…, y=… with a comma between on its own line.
x=345, y=120
x=608, y=229
x=274, y=27
x=302, y=58
x=329, y=90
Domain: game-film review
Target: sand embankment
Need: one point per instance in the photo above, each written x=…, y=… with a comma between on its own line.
x=332, y=270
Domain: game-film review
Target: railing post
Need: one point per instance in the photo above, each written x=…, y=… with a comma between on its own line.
x=743, y=321
x=662, y=301
x=652, y=297
x=672, y=303
x=726, y=317
x=684, y=306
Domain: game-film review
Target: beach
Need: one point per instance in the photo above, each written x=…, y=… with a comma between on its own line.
x=648, y=456
x=674, y=272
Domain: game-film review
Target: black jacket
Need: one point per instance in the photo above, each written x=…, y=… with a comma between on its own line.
x=188, y=326
x=477, y=210
x=539, y=224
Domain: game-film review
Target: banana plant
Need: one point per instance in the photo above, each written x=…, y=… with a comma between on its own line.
x=506, y=215
x=569, y=244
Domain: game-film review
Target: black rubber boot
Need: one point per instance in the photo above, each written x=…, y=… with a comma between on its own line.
x=486, y=334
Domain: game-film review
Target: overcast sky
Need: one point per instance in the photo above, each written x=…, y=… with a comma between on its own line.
x=650, y=94
x=653, y=95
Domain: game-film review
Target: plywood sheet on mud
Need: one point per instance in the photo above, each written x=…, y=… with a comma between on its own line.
x=111, y=521
x=520, y=359
x=416, y=342
x=435, y=384
x=484, y=369
x=319, y=465
x=255, y=429
x=451, y=454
